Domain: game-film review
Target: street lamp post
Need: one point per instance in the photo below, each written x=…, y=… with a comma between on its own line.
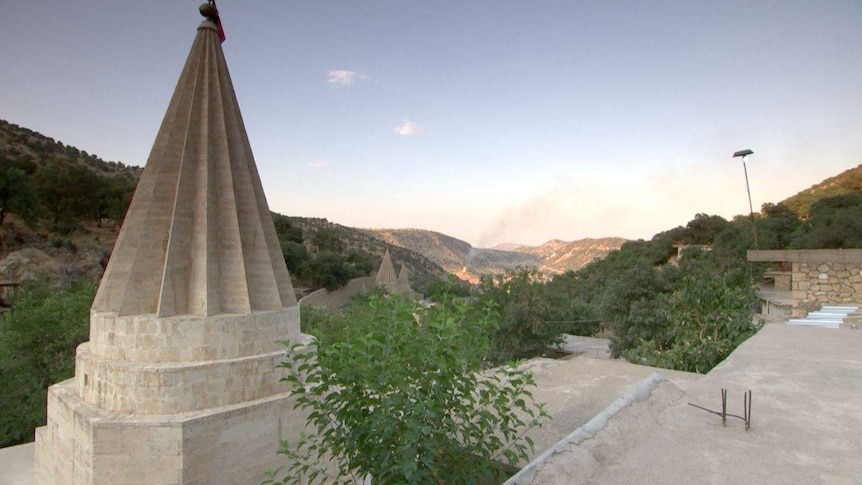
x=742, y=154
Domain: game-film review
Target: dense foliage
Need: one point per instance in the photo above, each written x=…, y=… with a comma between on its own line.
x=835, y=222
x=16, y=193
x=44, y=180
x=395, y=392
x=38, y=337
x=685, y=299
x=330, y=266
x=697, y=320
x=520, y=300
x=849, y=181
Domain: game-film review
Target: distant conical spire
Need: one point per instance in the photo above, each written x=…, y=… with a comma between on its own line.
x=404, y=278
x=386, y=276
x=198, y=238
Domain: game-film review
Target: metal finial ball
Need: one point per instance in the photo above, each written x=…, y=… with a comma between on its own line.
x=208, y=10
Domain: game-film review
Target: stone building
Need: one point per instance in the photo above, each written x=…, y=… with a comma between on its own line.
x=178, y=383
x=818, y=276
x=389, y=279
x=386, y=276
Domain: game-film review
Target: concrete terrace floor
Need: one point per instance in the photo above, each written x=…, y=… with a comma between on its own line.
x=16, y=465
x=806, y=421
x=577, y=389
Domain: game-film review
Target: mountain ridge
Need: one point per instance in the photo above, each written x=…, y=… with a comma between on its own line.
x=468, y=262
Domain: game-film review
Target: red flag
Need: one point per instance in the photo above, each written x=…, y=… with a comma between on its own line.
x=221, y=36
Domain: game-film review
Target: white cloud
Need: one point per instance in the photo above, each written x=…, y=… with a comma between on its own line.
x=408, y=128
x=341, y=77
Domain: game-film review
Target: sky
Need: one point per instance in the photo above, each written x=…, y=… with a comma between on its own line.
x=490, y=121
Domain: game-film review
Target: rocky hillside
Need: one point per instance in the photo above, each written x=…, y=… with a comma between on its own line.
x=560, y=256
x=33, y=150
x=422, y=269
x=462, y=259
x=38, y=248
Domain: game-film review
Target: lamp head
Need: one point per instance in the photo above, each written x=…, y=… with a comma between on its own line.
x=742, y=153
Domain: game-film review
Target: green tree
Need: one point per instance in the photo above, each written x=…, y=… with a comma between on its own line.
x=65, y=193
x=38, y=337
x=361, y=263
x=568, y=309
x=630, y=309
x=706, y=315
x=736, y=239
x=523, y=330
x=16, y=194
x=703, y=229
x=328, y=239
x=295, y=255
x=285, y=230
x=441, y=290
x=834, y=223
x=113, y=196
x=328, y=269
x=397, y=395
x=775, y=230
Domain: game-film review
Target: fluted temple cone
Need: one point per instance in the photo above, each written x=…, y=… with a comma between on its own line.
x=386, y=274
x=198, y=238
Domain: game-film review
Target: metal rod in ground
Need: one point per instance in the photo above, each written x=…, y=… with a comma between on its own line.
x=724, y=407
x=747, y=405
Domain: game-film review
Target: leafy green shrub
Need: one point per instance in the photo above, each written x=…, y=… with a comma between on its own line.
x=440, y=290
x=38, y=337
x=328, y=269
x=295, y=255
x=706, y=315
x=397, y=395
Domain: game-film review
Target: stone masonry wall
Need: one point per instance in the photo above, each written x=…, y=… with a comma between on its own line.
x=818, y=283
x=85, y=445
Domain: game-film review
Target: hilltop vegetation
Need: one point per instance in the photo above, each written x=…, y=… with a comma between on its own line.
x=847, y=182
x=320, y=253
x=61, y=186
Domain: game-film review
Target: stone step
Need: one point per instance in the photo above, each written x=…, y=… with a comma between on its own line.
x=846, y=310
x=826, y=315
x=829, y=316
x=815, y=323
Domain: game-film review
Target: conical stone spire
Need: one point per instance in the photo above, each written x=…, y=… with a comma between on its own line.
x=386, y=276
x=197, y=275
x=404, y=278
x=198, y=238
x=179, y=382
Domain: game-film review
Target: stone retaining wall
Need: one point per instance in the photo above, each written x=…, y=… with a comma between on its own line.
x=819, y=283
x=819, y=276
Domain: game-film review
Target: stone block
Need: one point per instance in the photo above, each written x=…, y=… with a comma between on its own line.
x=148, y=338
x=225, y=445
